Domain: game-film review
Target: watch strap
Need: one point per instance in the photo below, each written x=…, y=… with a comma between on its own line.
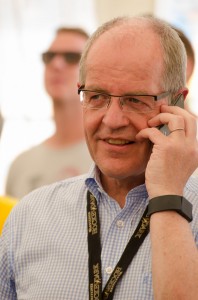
x=171, y=202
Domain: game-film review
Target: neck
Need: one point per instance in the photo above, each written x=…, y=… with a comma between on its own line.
x=119, y=188
x=68, y=124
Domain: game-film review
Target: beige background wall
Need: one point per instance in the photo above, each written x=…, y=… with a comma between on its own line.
x=107, y=9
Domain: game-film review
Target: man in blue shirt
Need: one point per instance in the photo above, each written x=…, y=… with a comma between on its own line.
x=129, y=228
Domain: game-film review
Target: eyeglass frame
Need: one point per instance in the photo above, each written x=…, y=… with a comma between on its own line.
x=61, y=53
x=155, y=97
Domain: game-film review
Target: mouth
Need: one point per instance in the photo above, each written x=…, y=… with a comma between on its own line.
x=118, y=142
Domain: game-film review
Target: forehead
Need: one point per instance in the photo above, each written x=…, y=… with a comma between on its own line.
x=68, y=41
x=126, y=55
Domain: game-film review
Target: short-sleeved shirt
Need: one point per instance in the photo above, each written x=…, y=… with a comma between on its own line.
x=41, y=165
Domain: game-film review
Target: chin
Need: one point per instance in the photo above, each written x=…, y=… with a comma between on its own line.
x=58, y=97
x=122, y=170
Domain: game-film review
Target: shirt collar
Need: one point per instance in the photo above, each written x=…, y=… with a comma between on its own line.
x=93, y=184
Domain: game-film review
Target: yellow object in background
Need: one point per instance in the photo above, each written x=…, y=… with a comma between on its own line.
x=6, y=205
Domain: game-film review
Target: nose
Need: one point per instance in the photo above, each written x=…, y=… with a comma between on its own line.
x=58, y=62
x=114, y=117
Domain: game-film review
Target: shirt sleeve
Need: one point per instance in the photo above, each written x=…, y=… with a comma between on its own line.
x=7, y=283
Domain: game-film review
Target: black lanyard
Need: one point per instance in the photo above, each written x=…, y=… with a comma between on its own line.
x=94, y=248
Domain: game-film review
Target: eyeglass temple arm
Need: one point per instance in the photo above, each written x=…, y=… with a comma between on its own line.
x=163, y=95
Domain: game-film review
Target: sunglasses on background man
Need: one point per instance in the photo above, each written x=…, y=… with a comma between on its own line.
x=69, y=57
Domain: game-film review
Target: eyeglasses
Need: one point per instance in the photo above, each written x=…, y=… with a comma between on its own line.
x=71, y=58
x=137, y=103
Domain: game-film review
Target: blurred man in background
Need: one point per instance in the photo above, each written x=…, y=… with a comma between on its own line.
x=65, y=153
x=191, y=60
x=190, y=54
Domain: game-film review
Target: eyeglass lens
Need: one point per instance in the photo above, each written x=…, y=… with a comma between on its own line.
x=138, y=103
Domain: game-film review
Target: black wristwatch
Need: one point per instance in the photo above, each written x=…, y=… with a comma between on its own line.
x=171, y=202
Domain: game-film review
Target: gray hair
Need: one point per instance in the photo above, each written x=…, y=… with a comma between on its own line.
x=174, y=54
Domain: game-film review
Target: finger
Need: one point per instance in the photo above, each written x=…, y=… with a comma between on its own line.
x=189, y=119
x=157, y=137
x=173, y=121
x=153, y=134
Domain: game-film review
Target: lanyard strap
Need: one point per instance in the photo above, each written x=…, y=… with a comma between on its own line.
x=94, y=249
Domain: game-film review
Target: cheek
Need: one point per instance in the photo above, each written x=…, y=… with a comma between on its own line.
x=47, y=77
x=73, y=72
x=92, y=119
x=89, y=129
x=91, y=123
x=140, y=122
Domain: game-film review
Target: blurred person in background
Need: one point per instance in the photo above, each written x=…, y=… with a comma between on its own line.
x=190, y=54
x=189, y=71
x=65, y=153
x=189, y=51
x=190, y=63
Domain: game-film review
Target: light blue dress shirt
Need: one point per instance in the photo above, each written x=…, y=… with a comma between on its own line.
x=43, y=249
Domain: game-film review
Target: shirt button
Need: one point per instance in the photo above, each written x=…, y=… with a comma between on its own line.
x=109, y=270
x=120, y=223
